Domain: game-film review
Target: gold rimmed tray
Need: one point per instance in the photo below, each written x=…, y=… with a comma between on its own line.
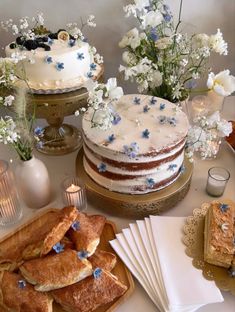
x=135, y=206
x=194, y=241
x=12, y=245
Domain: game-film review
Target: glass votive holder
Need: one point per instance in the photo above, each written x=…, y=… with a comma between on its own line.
x=199, y=106
x=74, y=193
x=217, y=180
x=10, y=209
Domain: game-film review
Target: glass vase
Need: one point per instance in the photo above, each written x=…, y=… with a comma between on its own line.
x=10, y=209
x=33, y=182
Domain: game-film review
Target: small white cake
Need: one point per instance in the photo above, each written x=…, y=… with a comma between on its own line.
x=144, y=149
x=64, y=66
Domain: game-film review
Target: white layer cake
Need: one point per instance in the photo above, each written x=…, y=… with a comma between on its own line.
x=62, y=67
x=143, y=152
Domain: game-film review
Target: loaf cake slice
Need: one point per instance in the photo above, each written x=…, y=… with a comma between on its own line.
x=219, y=234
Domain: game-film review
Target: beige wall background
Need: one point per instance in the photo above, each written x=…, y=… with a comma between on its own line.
x=198, y=16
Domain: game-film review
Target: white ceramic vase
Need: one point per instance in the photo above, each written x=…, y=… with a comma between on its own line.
x=33, y=182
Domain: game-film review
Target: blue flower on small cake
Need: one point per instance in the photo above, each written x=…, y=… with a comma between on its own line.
x=131, y=150
x=171, y=121
x=59, y=66
x=48, y=59
x=146, y=134
x=80, y=56
x=224, y=207
x=102, y=167
x=58, y=247
x=136, y=100
x=82, y=254
x=162, y=119
x=21, y=284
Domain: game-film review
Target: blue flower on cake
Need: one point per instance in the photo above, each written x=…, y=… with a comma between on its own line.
x=39, y=131
x=111, y=138
x=102, y=167
x=89, y=75
x=224, y=207
x=97, y=273
x=153, y=101
x=80, y=56
x=171, y=121
x=58, y=247
x=162, y=106
x=93, y=66
x=116, y=118
x=146, y=108
x=172, y=167
x=75, y=226
x=182, y=168
x=48, y=59
x=146, y=134
x=162, y=119
x=50, y=41
x=59, y=66
x=131, y=150
x=150, y=182
x=21, y=284
x=136, y=100
x=72, y=43
x=82, y=254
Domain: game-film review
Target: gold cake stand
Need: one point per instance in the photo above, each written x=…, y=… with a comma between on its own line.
x=59, y=138
x=135, y=206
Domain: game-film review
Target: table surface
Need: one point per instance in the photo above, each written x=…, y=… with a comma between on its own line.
x=60, y=167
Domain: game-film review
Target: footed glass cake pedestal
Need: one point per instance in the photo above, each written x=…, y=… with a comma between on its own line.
x=59, y=138
x=135, y=206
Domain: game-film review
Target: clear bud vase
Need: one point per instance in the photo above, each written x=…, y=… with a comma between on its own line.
x=10, y=209
x=33, y=182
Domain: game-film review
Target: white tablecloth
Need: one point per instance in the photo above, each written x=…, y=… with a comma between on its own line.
x=62, y=166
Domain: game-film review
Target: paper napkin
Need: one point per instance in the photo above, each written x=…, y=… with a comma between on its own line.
x=153, y=251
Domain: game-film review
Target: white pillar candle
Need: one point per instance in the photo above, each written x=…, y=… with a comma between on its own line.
x=216, y=185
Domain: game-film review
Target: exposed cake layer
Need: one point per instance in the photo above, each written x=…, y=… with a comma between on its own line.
x=64, y=66
x=141, y=153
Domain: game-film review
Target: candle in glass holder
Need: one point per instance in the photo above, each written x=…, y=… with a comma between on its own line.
x=200, y=106
x=217, y=180
x=10, y=209
x=74, y=193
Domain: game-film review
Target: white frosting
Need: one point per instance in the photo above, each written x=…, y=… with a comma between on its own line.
x=43, y=75
x=165, y=142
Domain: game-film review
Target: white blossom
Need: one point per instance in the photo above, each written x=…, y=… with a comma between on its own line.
x=223, y=83
x=151, y=19
x=163, y=43
x=90, y=21
x=130, y=9
x=141, y=4
x=130, y=39
x=114, y=92
x=8, y=100
x=217, y=43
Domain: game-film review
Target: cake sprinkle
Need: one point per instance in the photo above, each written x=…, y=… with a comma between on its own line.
x=162, y=106
x=136, y=100
x=80, y=56
x=111, y=138
x=146, y=134
x=171, y=167
x=102, y=167
x=150, y=182
x=153, y=101
x=59, y=66
x=146, y=108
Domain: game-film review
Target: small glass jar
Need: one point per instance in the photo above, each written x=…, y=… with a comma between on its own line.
x=217, y=180
x=10, y=209
x=74, y=193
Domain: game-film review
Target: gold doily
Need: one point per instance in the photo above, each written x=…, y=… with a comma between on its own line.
x=194, y=240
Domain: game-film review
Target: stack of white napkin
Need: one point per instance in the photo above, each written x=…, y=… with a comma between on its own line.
x=153, y=251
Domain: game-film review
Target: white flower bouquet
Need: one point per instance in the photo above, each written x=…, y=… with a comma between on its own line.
x=166, y=62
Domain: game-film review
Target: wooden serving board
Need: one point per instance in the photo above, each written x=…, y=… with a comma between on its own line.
x=12, y=245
